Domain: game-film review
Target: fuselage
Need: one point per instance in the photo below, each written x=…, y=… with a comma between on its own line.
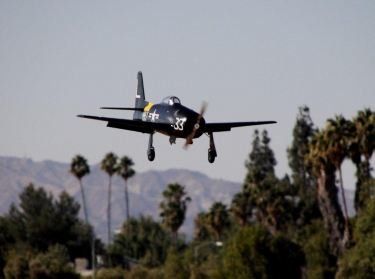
x=182, y=120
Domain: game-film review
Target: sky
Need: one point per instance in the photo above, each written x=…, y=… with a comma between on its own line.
x=250, y=60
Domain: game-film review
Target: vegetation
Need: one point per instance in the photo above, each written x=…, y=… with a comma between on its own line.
x=125, y=170
x=292, y=227
x=143, y=240
x=109, y=165
x=173, y=207
x=79, y=168
x=42, y=235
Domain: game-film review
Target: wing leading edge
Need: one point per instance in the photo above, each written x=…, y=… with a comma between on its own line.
x=227, y=126
x=150, y=127
x=131, y=125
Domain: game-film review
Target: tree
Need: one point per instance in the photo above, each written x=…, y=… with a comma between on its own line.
x=7, y=241
x=242, y=207
x=338, y=136
x=109, y=165
x=17, y=268
x=303, y=181
x=261, y=159
x=274, y=203
x=358, y=262
x=126, y=171
x=174, y=267
x=142, y=239
x=79, y=168
x=254, y=253
x=67, y=221
x=40, y=222
x=53, y=264
x=323, y=168
x=362, y=144
x=218, y=219
x=270, y=197
x=365, y=124
x=320, y=263
x=113, y=273
x=173, y=207
x=201, y=230
x=38, y=218
x=260, y=165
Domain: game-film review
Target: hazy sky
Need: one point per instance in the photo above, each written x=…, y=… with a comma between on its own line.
x=250, y=60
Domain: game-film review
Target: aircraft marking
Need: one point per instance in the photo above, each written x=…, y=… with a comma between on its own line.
x=148, y=107
x=153, y=116
x=136, y=95
x=179, y=123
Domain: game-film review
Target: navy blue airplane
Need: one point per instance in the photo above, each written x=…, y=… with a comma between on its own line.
x=169, y=118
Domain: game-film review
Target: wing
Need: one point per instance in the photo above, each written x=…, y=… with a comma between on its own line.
x=227, y=126
x=139, y=109
x=131, y=125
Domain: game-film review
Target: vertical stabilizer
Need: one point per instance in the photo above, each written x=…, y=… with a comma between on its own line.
x=140, y=101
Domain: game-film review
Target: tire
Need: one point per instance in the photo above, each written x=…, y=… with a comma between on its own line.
x=211, y=157
x=151, y=156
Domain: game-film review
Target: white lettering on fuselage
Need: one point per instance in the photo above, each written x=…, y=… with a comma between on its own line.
x=179, y=123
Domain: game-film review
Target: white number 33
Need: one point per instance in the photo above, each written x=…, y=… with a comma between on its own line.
x=179, y=123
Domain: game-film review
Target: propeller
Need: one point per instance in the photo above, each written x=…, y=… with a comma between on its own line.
x=189, y=138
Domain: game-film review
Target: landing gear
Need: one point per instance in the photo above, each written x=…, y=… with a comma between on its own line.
x=211, y=156
x=150, y=150
x=151, y=155
x=172, y=139
x=212, y=150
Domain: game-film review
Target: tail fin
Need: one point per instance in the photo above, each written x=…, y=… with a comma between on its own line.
x=140, y=101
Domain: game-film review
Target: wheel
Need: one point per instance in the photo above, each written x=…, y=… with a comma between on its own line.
x=151, y=156
x=211, y=156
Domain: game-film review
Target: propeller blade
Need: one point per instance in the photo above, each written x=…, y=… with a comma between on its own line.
x=190, y=137
x=203, y=109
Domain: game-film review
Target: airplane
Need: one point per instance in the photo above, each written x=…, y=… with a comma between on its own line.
x=169, y=118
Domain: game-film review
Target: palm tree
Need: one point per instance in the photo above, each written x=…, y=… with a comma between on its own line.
x=322, y=167
x=355, y=155
x=363, y=143
x=201, y=231
x=109, y=165
x=218, y=219
x=173, y=208
x=365, y=123
x=79, y=168
x=338, y=137
x=124, y=169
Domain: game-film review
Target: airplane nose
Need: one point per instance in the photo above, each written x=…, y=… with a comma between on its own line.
x=201, y=127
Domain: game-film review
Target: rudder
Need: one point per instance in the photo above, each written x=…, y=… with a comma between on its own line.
x=140, y=100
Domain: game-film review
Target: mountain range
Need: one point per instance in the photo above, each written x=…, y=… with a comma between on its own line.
x=145, y=190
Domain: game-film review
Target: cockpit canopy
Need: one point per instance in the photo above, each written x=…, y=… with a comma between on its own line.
x=170, y=100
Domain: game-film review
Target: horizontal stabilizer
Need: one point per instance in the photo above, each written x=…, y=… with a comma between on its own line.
x=139, y=109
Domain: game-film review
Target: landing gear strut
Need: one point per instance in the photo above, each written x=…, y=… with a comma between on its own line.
x=212, y=150
x=150, y=150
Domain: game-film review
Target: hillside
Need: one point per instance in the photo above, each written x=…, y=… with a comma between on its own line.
x=145, y=190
